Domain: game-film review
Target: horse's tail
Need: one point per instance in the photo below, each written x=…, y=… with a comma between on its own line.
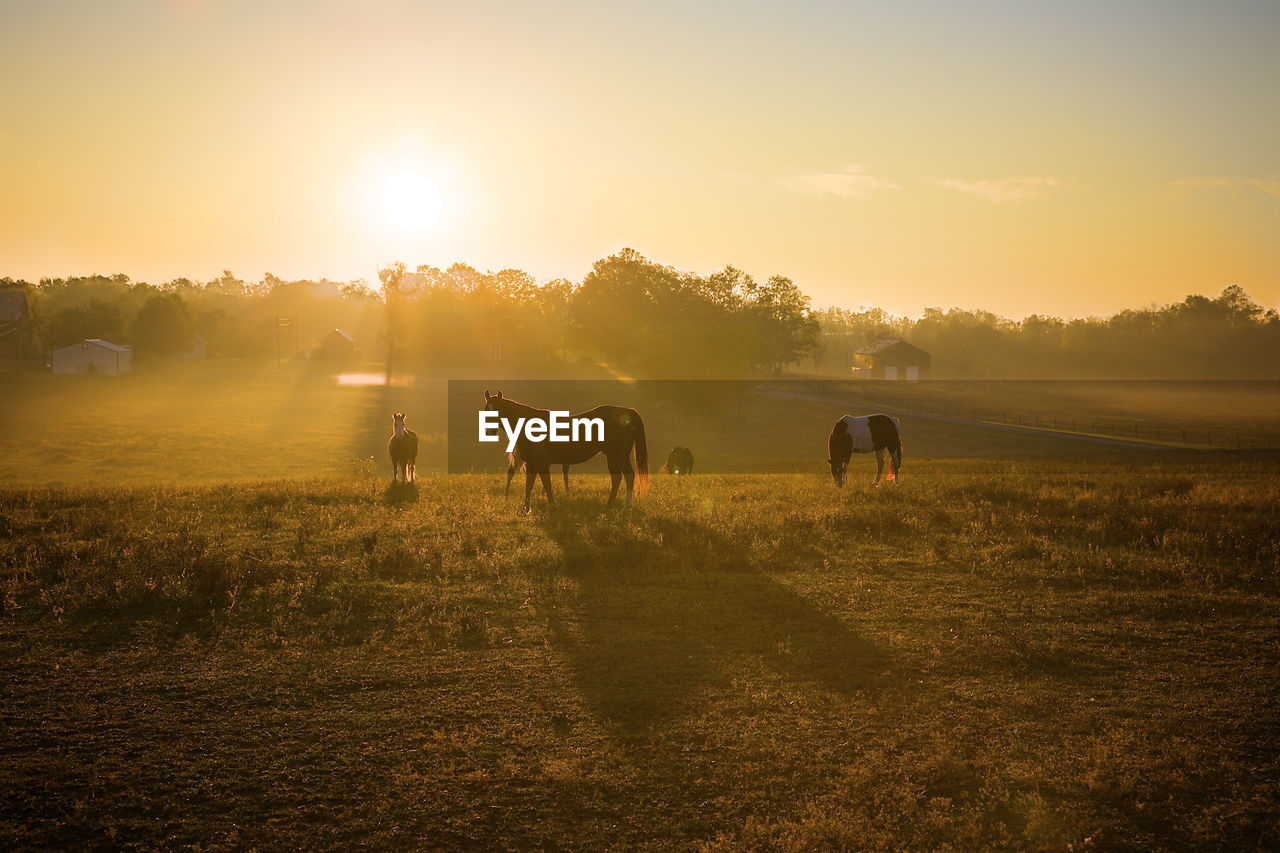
x=642, y=456
x=895, y=456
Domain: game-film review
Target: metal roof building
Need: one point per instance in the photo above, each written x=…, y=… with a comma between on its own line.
x=94, y=356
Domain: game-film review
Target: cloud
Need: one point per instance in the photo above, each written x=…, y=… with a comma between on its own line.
x=1002, y=190
x=1270, y=187
x=850, y=182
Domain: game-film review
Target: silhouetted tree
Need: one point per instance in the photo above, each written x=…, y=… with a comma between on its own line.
x=162, y=328
x=82, y=322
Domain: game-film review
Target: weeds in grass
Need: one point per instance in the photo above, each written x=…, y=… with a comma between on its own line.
x=997, y=656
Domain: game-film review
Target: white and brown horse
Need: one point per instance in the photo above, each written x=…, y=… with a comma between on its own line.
x=403, y=448
x=623, y=434
x=865, y=434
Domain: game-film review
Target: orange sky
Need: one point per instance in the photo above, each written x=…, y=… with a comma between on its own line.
x=1070, y=159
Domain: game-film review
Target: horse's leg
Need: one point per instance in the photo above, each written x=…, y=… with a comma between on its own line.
x=565, y=470
x=879, y=465
x=896, y=457
x=412, y=471
x=616, y=476
x=529, y=476
x=511, y=473
x=630, y=474
x=545, y=476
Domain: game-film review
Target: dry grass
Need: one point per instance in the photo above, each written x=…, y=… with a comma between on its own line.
x=1027, y=654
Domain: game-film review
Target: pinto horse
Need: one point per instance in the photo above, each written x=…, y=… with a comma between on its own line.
x=623, y=432
x=853, y=434
x=403, y=448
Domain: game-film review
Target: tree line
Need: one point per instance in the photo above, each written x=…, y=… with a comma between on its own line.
x=640, y=316
x=1226, y=337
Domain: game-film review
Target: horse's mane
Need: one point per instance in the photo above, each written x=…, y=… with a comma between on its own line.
x=524, y=408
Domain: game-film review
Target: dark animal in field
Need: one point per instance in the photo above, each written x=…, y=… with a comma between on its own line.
x=865, y=434
x=679, y=461
x=516, y=463
x=623, y=434
x=403, y=448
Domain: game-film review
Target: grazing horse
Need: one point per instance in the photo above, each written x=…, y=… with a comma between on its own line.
x=403, y=448
x=516, y=463
x=679, y=461
x=623, y=432
x=862, y=435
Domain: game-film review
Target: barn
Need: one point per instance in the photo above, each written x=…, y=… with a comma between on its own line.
x=337, y=346
x=891, y=358
x=95, y=357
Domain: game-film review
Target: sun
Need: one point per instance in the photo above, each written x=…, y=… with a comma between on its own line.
x=410, y=202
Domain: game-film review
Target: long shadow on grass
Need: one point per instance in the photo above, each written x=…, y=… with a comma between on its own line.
x=671, y=614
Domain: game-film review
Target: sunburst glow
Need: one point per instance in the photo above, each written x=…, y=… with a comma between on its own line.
x=410, y=201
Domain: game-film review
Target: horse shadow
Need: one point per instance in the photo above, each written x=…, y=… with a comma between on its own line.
x=399, y=494
x=669, y=609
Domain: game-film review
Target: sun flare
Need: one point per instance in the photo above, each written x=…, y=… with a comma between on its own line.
x=410, y=201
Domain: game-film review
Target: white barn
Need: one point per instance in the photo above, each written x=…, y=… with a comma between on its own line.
x=94, y=356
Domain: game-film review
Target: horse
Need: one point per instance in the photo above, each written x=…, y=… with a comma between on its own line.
x=679, y=461
x=516, y=463
x=403, y=448
x=623, y=433
x=853, y=434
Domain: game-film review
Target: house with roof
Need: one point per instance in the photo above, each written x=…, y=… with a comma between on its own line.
x=891, y=358
x=94, y=357
x=337, y=346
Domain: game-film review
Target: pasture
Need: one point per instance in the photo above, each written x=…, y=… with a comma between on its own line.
x=1068, y=645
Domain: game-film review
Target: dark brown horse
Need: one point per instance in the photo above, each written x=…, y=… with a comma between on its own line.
x=679, y=461
x=516, y=463
x=403, y=448
x=623, y=432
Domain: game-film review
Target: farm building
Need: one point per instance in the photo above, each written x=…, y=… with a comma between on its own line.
x=891, y=358
x=196, y=347
x=337, y=346
x=95, y=356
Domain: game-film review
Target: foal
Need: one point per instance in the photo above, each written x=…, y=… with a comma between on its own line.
x=403, y=448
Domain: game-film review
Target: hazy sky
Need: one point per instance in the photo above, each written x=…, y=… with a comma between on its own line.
x=1066, y=158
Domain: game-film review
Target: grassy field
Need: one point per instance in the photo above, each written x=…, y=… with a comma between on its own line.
x=219, y=629
x=1243, y=414
x=1017, y=655
x=229, y=421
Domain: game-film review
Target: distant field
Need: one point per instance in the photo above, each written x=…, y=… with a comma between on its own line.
x=229, y=421
x=197, y=423
x=1244, y=414
x=1023, y=654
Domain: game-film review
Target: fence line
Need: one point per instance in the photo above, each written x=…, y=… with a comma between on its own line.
x=1176, y=433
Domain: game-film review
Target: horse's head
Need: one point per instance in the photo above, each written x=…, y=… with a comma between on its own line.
x=839, y=470
x=398, y=418
x=491, y=400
